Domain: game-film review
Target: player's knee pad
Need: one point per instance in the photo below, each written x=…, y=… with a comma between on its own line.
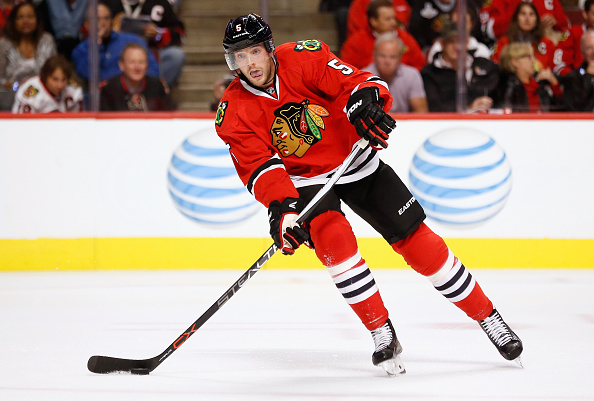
x=423, y=250
x=333, y=238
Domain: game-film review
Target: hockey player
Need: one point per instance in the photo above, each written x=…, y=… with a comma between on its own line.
x=50, y=91
x=290, y=117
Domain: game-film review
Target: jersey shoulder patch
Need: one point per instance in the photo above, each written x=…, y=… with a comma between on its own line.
x=310, y=45
x=221, y=113
x=30, y=92
x=73, y=82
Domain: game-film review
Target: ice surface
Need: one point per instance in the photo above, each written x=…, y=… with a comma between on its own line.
x=288, y=335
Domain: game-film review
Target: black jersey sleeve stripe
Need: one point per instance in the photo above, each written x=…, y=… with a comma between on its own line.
x=270, y=164
x=374, y=79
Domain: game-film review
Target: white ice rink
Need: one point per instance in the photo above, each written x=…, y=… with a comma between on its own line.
x=288, y=335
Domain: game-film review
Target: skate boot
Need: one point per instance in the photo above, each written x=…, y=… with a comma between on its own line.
x=507, y=342
x=387, y=350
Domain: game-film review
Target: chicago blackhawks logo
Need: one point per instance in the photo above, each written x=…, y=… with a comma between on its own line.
x=310, y=45
x=31, y=91
x=137, y=102
x=296, y=127
x=221, y=113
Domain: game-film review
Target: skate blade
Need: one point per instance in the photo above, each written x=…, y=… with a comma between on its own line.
x=393, y=367
x=519, y=362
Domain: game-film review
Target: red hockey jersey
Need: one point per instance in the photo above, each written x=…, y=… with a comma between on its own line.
x=296, y=132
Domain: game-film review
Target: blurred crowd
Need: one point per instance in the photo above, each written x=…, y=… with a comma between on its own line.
x=513, y=56
x=44, y=54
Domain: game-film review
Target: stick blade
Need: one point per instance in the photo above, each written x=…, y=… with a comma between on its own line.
x=106, y=364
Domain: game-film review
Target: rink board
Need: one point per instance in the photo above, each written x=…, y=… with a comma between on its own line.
x=94, y=193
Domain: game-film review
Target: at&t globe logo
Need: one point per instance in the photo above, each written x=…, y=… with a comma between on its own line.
x=204, y=185
x=461, y=176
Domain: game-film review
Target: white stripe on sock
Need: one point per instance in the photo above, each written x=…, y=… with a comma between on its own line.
x=444, y=269
x=344, y=266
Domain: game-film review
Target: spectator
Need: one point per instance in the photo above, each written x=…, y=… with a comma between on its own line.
x=497, y=15
x=553, y=17
x=133, y=90
x=357, y=19
x=218, y=90
x=64, y=20
x=439, y=77
x=519, y=89
x=163, y=30
x=429, y=16
x=578, y=85
x=526, y=26
x=24, y=48
x=340, y=9
x=404, y=82
x=51, y=91
x=358, y=48
x=475, y=48
x=574, y=45
x=111, y=44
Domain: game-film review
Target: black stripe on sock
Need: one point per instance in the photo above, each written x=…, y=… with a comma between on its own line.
x=462, y=288
x=360, y=290
x=453, y=280
x=354, y=279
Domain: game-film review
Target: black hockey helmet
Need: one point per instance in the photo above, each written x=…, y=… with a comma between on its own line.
x=246, y=31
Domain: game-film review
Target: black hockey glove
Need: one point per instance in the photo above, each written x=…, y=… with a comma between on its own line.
x=364, y=111
x=282, y=218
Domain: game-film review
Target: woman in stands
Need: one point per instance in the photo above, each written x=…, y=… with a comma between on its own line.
x=521, y=89
x=24, y=48
x=526, y=27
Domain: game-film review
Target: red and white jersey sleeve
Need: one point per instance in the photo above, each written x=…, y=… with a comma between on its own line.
x=575, y=37
x=495, y=16
x=33, y=97
x=296, y=133
x=564, y=54
x=554, y=8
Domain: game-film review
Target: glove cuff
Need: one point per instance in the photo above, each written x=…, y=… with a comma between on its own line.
x=291, y=205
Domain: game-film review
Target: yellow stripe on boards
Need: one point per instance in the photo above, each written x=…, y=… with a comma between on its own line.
x=241, y=253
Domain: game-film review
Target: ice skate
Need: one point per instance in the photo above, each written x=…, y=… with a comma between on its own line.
x=507, y=342
x=387, y=350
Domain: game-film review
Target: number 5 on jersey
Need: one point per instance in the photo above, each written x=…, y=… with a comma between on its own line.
x=340, y=67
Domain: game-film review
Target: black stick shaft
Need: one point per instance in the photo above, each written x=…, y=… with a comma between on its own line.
x=106, y=364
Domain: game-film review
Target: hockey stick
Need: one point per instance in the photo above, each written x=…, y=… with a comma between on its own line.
x=106, y=364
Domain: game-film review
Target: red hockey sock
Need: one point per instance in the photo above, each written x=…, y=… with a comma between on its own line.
x=427, y=253
x=336, y=247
